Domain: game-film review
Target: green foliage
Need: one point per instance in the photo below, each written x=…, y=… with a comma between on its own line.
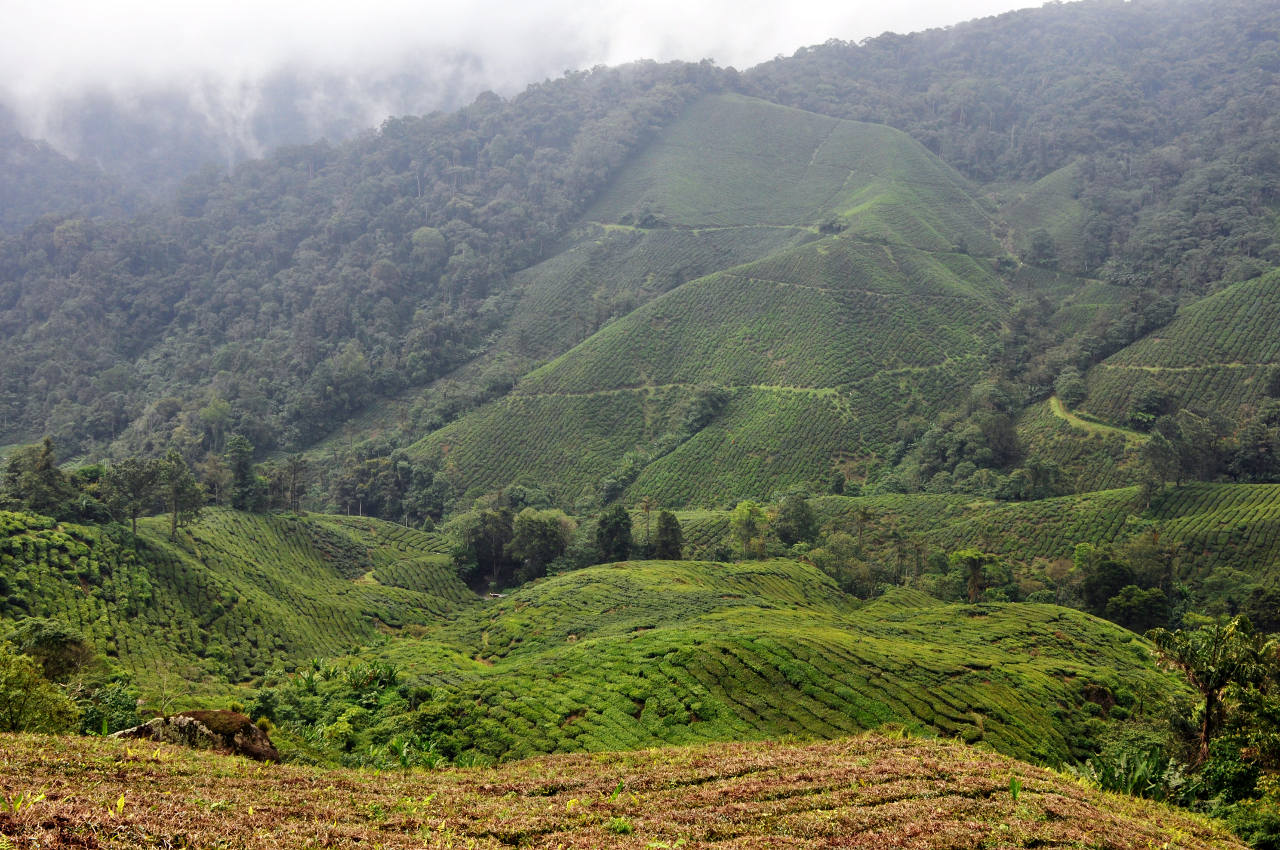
x=1214, y=658
x=1138, y=609
x=108, y=708
x=613, y=534
x=796, y=522
x=61, y=651
x=669, y=541
x=1142, y=772
x=1227, y=774
x=28, y=701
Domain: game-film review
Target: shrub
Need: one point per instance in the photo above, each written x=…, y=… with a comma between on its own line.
x=28, y=701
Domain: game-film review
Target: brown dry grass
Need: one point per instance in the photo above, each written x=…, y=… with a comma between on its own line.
x=871, y=791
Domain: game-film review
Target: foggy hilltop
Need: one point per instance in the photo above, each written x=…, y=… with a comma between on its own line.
x=138, y=98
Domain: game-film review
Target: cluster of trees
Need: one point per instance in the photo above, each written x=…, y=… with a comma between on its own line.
x=32, y=481
x=1195, y=446
x=974, y=449
x=500, y=546
x=365, y=482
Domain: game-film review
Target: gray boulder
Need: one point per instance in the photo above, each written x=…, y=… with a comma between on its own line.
x=222, y=731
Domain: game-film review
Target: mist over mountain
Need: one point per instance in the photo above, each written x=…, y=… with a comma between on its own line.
x=149, y=95
x=151, y=138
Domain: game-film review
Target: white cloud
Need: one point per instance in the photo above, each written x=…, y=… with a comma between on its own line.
x=66, y=45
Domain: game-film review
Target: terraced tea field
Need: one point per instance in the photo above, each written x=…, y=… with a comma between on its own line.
x=737, y=160
x=235, y=594
x=1091, y=457
x=1229, y=529
x=1220, y=353
x=713, y=259
x=646, y=653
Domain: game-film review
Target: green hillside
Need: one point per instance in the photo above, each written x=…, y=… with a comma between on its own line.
x=644, y=653
x=821, y=346
x=1051, y=207
x=735, y=161
x=1220, y=354
x=1223, y=539
x=235, y=595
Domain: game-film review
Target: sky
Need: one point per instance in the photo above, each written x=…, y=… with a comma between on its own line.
x=59, y=47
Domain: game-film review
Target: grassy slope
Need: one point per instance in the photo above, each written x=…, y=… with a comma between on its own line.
x=868, y=791
x=613, y=657
x=888, y=313
x=235, y=595
x=1217, y=354
x=646, y=653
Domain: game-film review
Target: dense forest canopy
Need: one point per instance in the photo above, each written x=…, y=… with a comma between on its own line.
x=286, y=300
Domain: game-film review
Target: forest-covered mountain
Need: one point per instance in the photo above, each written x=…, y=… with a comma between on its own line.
x=146, y=138
x=724, y=253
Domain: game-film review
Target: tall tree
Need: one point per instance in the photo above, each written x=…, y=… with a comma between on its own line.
x=646, y=505
x=183, y=495
x=971, y=561
x=132, y=486
x=484, y=548
x=748, y=522
x=669, y=545
x=861, y=516
x=613, y=534
x=246, y=492
x=796, y=522
x=1214, y=658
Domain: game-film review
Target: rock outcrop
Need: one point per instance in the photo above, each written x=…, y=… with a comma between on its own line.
x=223, y=731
